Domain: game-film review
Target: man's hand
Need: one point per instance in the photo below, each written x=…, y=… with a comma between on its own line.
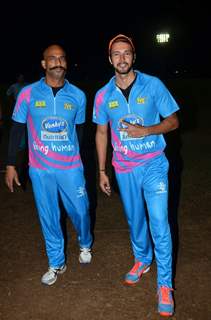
x=104, y=183
x=134, y=130
x=10, y=176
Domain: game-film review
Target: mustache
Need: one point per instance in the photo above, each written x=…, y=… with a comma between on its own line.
x=59, y=67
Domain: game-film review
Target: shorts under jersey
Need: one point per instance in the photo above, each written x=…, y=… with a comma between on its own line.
x=51, y=123
x=148, y=101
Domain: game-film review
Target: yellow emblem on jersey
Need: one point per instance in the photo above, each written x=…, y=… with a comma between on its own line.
x=113, y=104
x=68, y=106
x=40, y=104
x=141, y=100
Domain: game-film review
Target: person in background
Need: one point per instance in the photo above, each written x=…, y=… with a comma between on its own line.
x=139, y=109
x=16, y=87
x=52, y=108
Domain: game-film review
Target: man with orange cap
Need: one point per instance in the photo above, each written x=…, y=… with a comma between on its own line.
x=139, y=109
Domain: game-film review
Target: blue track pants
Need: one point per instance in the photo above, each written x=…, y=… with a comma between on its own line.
x=147, y=187
x=48, y=185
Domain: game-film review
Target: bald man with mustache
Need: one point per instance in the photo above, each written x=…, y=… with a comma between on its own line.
x=52, y=108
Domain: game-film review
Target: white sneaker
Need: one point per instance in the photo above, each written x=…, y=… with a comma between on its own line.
x=50, y=276
x=85, y=255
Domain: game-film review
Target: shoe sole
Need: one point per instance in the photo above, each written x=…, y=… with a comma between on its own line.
x=133, y=283
x=165, y=314
x=54, y=280
x=49, y=283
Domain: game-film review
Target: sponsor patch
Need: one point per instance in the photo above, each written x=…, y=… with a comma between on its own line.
x=40, y=104
x=54, y=129
x=130, y=118
x=113, y=104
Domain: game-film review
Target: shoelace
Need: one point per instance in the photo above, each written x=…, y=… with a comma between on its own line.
x=52, y=271
x=165, y=295
x=85, y=250
x=55, y=271
x=136, y=266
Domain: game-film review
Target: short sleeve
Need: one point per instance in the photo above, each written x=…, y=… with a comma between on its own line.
x=164, y=101
x=81, y=112
x=22, y=105
x=100, y=115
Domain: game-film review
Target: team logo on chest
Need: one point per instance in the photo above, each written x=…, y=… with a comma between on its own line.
x=113, y=104
x=68, y=106
x=141, y=100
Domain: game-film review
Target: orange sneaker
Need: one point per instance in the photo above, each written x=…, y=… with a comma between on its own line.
x=134, y=275
x=165, y=301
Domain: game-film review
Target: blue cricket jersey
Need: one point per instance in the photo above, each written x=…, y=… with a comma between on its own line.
x=51, y=120
x=149, y=100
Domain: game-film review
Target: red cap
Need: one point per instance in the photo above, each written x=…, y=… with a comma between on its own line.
x=120, y=37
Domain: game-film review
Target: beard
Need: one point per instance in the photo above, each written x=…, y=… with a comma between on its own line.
x=123, y=69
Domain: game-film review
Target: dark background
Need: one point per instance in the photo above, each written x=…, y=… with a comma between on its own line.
x=84, y=29
x=97, y=292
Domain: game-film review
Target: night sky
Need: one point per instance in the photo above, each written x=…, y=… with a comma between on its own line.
x=27, y=28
